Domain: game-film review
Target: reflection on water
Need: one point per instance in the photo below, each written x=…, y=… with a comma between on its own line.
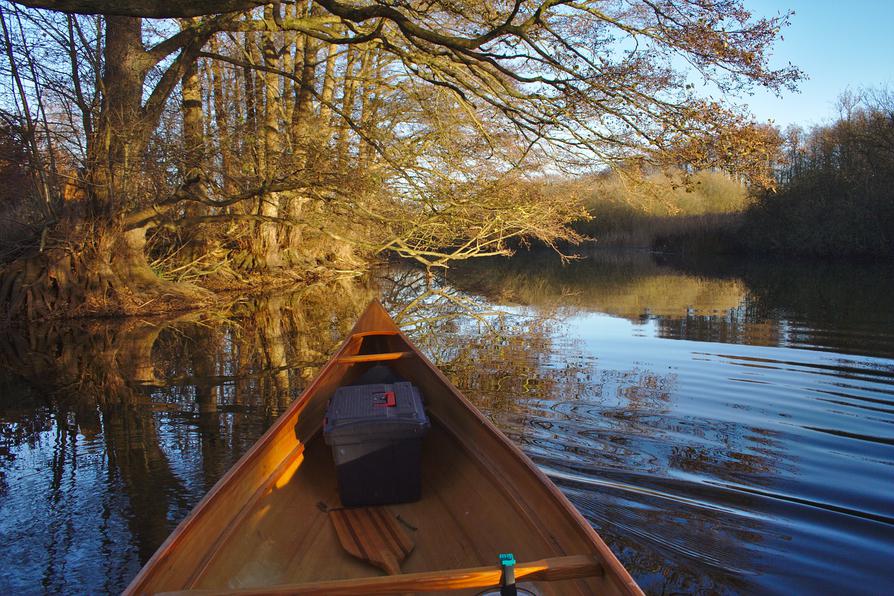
x=729, y=461
x=110, y=432
x=726, y=462
x=842, y=307
x=628, y=284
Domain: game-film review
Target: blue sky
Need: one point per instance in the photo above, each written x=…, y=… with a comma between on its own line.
x=837, y=44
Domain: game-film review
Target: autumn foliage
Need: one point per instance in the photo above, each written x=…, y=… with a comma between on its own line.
x=287, y=141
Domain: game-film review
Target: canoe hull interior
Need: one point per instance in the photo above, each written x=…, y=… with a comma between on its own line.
x=264, y=524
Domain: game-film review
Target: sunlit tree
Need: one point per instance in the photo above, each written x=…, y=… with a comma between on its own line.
x=311, y=134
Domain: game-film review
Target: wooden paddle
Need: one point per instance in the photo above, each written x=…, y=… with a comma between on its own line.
x=372, y=534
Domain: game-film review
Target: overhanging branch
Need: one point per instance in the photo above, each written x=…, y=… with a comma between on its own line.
x=145, y=8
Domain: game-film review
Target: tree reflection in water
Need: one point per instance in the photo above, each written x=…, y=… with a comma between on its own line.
x=842, y=307
x=712, y=468
x=609, y=438
x=113, y=430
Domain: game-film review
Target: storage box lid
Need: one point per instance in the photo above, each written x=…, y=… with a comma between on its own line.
x=360, y=413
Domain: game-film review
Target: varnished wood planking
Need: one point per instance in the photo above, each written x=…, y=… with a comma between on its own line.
x=472, y=461
x=462, y=521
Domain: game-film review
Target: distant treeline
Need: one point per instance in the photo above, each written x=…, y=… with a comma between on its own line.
x=835, y=197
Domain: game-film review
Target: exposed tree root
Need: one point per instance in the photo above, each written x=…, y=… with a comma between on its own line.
x=90, y=272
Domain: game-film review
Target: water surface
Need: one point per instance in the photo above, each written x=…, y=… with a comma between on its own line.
x=727, y=427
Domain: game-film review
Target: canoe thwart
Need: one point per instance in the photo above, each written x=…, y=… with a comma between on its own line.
x=543, y=570
x=374, y=535
x=385, y=356
x=386, y=333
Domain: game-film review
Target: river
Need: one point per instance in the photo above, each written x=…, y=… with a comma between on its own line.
x=727, y=426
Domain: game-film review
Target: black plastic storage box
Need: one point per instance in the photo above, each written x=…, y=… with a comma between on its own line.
x=375, y=432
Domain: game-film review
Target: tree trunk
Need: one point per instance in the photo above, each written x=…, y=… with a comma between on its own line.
x=222, y=122
x=326, y=97
x=250, y=134
x=301, y=135
x=193, y=122
x=366, y=103
x=304, y=101
x=347, y=108
x=267, y=242
x=122, y=136
x=287, y=91
x=293, y=88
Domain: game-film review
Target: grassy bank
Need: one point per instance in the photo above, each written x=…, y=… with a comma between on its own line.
x=661, y=213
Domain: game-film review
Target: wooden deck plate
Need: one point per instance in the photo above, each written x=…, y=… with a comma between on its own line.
x=372, y=534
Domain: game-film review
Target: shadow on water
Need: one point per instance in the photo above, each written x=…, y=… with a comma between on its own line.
x=727, y=462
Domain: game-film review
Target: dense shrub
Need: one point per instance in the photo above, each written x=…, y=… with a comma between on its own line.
x=17, y=210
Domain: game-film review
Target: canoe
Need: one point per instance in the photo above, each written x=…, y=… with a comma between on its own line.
x=266, y=527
